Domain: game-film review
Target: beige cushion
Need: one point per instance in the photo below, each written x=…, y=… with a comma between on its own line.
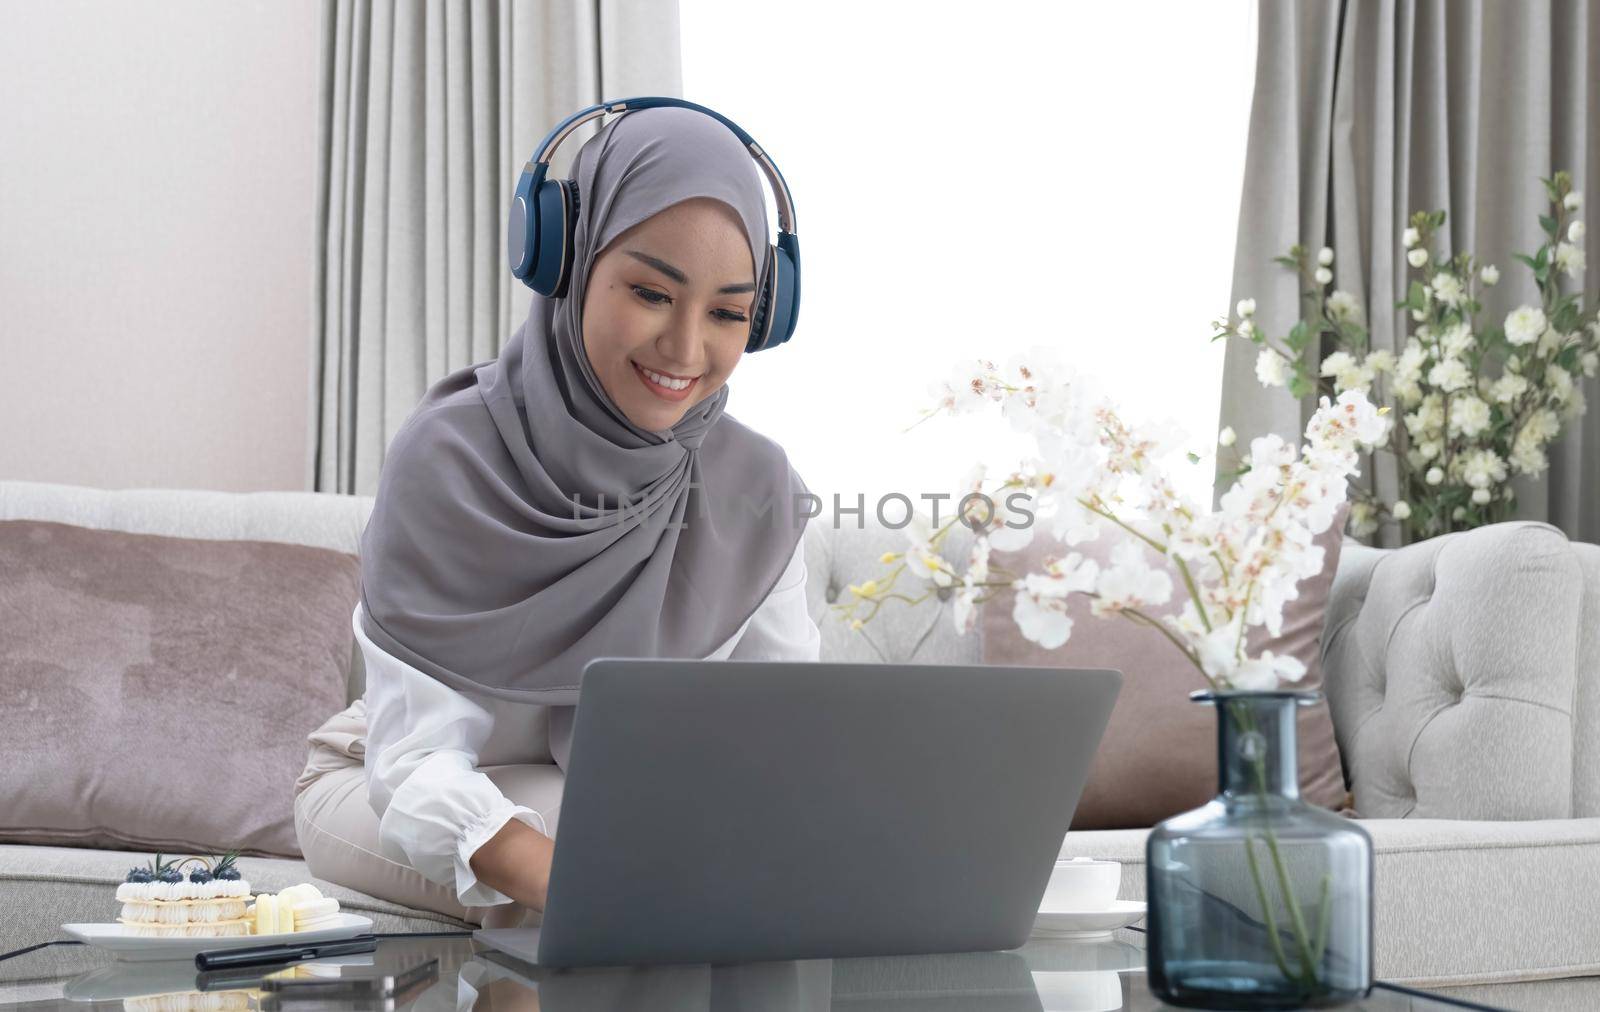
x=159, y=690
x=1158, y=756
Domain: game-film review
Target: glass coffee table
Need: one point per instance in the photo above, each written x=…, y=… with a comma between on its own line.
x=1097, y=975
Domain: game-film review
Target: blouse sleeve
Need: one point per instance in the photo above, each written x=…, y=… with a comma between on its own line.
x=434, y=807
x=782, y=628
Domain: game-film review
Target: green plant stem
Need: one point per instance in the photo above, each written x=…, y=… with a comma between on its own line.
x=1266, y=910
x=1194, y=593
x=1308, y=951
x=1297, y=917
x=1444, y=460
x=1094, y=508
x=1135, y=615
x=1244, y=610
x=1324, y=918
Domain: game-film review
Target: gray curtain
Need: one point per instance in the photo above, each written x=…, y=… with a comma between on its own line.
x=428, y=112
x=1368, y=110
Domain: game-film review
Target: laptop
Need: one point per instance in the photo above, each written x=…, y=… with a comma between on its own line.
x=739, y=811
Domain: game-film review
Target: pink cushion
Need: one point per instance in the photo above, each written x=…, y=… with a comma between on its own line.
x=1158, y=757
x=159, y=690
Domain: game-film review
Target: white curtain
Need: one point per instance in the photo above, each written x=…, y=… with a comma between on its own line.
x=1368, y=110
x=428, y=112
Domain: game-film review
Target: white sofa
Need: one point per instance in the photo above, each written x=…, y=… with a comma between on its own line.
x=1464, y=677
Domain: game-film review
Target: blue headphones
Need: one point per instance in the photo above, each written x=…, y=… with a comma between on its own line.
x=544, y=213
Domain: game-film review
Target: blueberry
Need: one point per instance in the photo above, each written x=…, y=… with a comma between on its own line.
x=200, y=875
x=224, y=869
x=171, y=875
x=138, y=875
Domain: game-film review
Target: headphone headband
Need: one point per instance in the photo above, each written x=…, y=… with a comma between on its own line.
x=780, y=189
x=544, y=213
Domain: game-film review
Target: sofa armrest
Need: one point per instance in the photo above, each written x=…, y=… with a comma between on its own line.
x=1586, y=699
x=1462, y=675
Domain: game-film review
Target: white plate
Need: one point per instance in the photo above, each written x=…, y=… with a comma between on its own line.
x=121, y=980
x=114, y=937
x=1087, y=923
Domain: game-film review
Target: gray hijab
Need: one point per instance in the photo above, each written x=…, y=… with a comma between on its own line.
x=491, y=561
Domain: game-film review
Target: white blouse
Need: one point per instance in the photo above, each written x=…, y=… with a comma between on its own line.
x=427, y=740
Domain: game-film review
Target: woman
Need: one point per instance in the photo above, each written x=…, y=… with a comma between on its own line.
x=579, y=496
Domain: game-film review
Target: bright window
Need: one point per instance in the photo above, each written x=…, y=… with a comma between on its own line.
x=970, y=179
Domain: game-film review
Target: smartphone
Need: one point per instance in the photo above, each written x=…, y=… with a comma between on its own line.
x=386, y=981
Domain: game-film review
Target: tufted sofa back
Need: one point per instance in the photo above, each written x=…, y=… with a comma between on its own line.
x=842, y=552
x=1463, y=672
x=1464, y=675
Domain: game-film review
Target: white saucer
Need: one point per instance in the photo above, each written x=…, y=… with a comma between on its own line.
x=1088, y=923
x=114, y=936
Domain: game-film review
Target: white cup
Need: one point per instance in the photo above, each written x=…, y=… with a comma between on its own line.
x=1082, y=883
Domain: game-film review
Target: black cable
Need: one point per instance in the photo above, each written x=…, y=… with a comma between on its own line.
x=41, y=945
x=376, y=934
x=1433, y=996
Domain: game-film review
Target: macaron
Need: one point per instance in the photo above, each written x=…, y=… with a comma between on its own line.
x=267, y=920
x=297, y=894
x=314, y=914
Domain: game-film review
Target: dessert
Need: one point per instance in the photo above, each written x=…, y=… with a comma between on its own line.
x=158, y=900
x=215, y=901
x=298, y=908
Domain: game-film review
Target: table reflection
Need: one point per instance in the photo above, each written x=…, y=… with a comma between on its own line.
x=1058, y=976
x=1063, y=977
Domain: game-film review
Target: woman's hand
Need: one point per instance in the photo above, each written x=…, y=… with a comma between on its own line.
x=516, y=861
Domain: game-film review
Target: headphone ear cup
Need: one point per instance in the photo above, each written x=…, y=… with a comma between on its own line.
x=569, y=246
x=552, y=266
x=780, y=296
x=521, y=241
x=761, y=315
x=786, y=291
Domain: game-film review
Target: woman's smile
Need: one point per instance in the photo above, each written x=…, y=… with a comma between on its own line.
x=664, y=385
x=666, y=312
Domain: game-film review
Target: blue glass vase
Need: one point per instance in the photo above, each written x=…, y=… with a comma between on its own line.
x=1258, y=900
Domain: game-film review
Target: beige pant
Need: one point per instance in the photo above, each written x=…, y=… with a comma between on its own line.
x=338, y=829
